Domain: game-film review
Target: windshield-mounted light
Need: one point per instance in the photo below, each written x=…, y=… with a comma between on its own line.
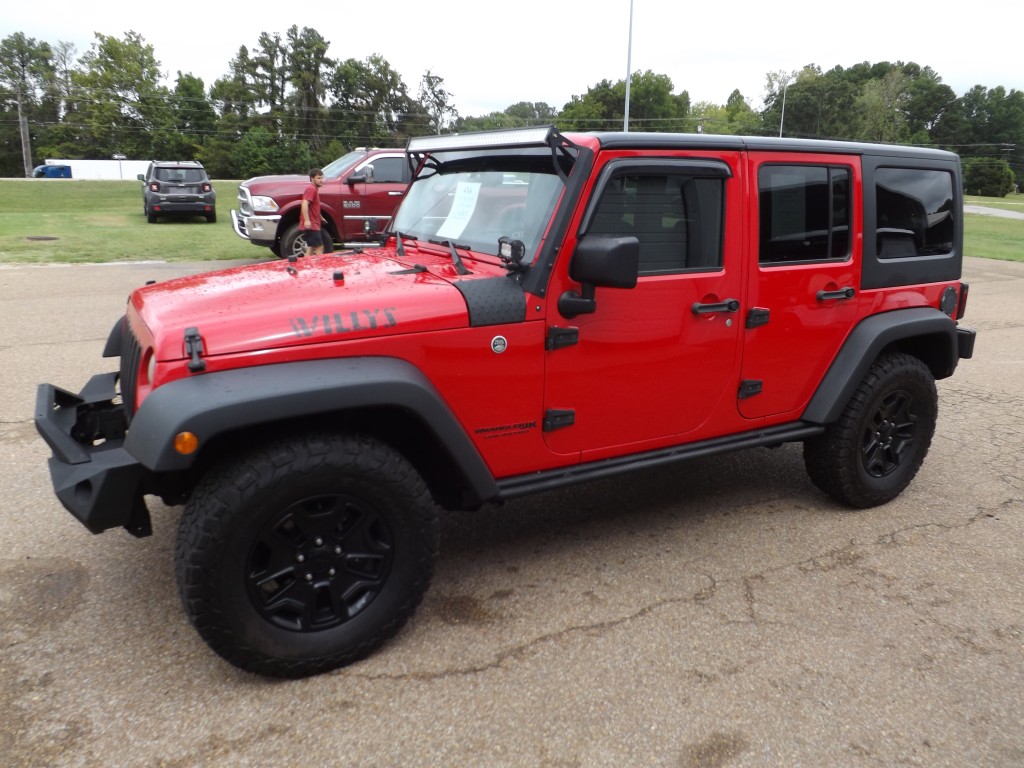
x=510, y=250
x=514, y=137
x=262, y=204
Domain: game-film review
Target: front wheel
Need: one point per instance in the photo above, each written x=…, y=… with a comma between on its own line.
x=878, y=444
x=293, y=243
x=306, y=554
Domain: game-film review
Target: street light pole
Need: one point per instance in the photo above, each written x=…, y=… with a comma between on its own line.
x=629, y=66
x=782, y=118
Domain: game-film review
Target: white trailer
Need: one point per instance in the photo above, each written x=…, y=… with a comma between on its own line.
x=102, y=169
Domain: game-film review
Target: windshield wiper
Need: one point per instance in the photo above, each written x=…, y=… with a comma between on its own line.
x=460, y=268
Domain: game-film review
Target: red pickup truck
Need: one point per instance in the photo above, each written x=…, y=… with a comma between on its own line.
x=360, y=193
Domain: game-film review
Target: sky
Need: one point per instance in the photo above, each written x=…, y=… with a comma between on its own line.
x=491, y=55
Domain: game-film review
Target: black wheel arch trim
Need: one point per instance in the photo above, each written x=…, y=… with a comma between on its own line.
x=924, y=331
x=215, y=403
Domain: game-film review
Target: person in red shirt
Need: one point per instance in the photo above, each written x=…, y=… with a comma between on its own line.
x=309, y=214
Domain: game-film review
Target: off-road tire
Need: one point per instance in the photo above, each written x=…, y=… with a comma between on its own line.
x=875, y=449
x=306, y=554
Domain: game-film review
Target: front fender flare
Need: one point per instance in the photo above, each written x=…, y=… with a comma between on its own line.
x=219, y=402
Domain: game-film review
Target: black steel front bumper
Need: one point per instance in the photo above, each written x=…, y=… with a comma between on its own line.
x=94, y=477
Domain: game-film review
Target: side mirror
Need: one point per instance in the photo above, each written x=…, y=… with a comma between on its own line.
x=608, y=262
x=365, y=176
x=141, y=177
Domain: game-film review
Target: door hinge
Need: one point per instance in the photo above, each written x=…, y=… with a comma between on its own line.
x=561, y=337
x=757, y=316
x=556, y=419
x=749, y=388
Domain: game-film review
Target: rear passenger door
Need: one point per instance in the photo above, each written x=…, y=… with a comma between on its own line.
x=803, y=292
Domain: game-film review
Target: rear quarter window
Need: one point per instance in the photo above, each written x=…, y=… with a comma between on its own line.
x=913, y=219
x=914, y=213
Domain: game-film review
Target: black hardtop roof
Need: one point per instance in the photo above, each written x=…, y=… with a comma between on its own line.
x=634, y=140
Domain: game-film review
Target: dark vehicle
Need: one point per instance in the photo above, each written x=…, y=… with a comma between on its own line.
x=51, y=172
x=547, y=309
x=180, y=188
x=360, y=193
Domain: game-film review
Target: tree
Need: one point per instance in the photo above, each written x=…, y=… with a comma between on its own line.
x=928, y=99
x=882, y=109
x=25, y=69
x=267, y=71
x=120, y=98
x=260, y=151
x=988, y=176
x=518, y=115
x=192, y=123
x=652, y=106
x=370, y=104
x=436, y=102
x=308, y=70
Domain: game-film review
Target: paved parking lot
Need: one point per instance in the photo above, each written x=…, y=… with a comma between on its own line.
x=722, y=613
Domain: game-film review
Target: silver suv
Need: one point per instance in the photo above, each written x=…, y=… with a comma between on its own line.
x=180, y=188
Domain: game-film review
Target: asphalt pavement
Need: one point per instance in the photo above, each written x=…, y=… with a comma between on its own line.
x=719, y=613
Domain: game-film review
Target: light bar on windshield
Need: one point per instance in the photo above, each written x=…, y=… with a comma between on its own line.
x=514, y=137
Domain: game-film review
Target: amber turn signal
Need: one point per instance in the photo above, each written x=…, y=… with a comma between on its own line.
x=186, y=443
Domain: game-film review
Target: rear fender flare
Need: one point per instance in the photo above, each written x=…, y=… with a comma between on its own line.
x=923, y=331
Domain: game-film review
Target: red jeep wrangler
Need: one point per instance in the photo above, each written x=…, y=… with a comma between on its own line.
x=547, y=309
x=360, y=193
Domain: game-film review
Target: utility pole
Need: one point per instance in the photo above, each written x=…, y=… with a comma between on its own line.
x=629, y=66
x=26, y=141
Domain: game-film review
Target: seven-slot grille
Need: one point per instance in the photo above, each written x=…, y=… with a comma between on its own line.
x=131, y=355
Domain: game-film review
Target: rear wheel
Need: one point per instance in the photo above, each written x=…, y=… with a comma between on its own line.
x=211, y=217
x=878, y=444
x=150, y=216
x=306, y=554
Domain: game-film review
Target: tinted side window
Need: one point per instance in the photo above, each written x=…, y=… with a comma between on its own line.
x=676, y=217
x=804, y=213
x=388, y=170
x=914, y=213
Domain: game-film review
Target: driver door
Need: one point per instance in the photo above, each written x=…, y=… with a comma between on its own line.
x=657, y=362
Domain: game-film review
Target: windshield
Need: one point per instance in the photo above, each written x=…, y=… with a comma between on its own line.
x=474, y=201
x=343, y=163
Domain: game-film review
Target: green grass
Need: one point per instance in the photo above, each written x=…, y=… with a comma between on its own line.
x=95, y=221
x=1012, y=202
x=991, y=237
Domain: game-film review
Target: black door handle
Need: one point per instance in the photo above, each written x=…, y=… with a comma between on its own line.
x=842, y=293
x=729, y=305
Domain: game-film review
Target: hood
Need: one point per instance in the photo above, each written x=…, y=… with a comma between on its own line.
x=258, y=184
x=276, y=305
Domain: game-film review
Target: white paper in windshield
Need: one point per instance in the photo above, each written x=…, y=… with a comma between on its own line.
x=466, y=195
